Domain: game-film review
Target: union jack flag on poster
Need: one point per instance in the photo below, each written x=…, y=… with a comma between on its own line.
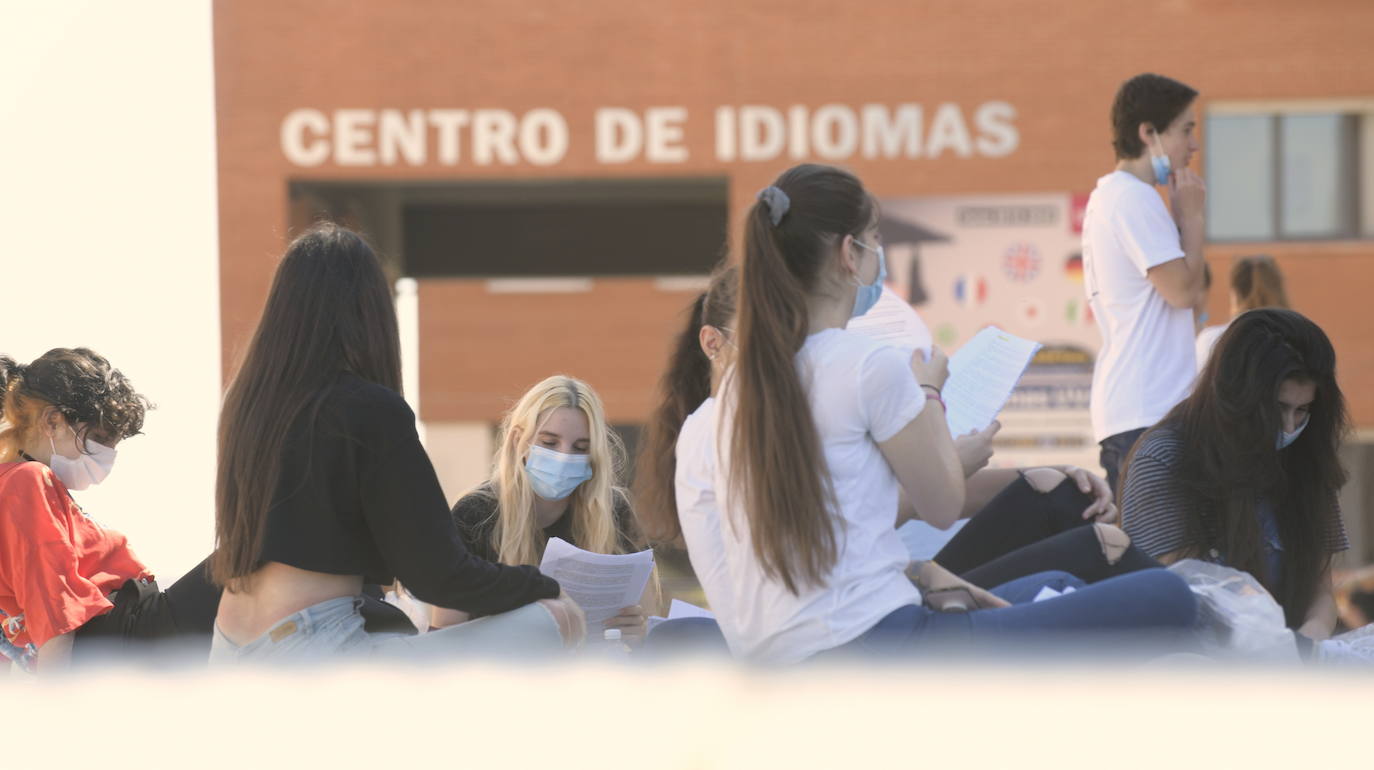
x=1021, y=262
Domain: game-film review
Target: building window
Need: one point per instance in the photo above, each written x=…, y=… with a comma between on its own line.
x=1289, y=175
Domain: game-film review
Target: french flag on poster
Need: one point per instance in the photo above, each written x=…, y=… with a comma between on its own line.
x=970, y=290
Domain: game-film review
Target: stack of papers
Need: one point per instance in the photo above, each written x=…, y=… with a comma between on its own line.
x=601, y=584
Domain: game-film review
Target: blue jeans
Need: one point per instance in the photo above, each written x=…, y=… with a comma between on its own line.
x=1153, y=606
x=333, y=630
x=685, y=636
x=1115, y=449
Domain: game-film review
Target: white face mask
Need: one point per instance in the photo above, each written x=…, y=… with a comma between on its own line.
x=87, y=469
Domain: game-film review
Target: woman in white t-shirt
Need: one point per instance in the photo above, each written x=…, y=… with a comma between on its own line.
x=819, y=428
x=1035, y=520
x=1256, y=282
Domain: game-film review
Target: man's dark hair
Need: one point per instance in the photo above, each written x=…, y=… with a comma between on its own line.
x=1147, y=98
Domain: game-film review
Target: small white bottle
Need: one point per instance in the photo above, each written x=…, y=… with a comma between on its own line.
x=613, y=647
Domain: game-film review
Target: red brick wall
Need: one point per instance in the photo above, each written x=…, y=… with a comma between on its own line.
x=1058, y=64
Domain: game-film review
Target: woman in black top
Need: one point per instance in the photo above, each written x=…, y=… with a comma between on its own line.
x=323, y=484
x=554, y=476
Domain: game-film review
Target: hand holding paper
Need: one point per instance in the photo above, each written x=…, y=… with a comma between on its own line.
x=601, y=584
x=982, y=375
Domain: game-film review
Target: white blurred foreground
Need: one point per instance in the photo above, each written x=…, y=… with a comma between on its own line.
x=1171, y=715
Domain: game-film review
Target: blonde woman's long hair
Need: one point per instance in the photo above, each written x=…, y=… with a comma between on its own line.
x=516, y=536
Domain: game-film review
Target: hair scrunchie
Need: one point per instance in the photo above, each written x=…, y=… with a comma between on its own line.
x=777, y=202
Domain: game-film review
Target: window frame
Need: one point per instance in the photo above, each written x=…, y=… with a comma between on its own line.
x=1352, y=184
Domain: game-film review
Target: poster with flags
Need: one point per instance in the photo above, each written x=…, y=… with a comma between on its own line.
x=1015, y=261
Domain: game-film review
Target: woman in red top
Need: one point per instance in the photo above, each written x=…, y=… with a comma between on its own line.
x=60, y=420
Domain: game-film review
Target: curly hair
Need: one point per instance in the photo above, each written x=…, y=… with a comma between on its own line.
x=81, y=384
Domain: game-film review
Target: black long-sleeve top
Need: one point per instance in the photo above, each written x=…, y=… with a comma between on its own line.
x=358, y=496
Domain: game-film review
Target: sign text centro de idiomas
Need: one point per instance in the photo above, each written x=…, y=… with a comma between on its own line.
x=657, y=135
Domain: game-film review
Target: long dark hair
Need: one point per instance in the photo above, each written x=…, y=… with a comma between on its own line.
x=778, y=470
x=1228, y=428
x=685, y=385
x=330, y=311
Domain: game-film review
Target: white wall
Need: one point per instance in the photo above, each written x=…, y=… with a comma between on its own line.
x=108, y=237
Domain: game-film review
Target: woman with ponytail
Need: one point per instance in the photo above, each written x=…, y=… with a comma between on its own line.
x=819, y=429
x=1023, y=521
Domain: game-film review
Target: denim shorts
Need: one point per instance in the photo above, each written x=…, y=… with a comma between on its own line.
x=328, y=630
x=333, y=630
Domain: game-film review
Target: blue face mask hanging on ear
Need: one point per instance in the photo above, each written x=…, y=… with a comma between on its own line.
x=554, y=475
x=867, y=296
x=1160, y=163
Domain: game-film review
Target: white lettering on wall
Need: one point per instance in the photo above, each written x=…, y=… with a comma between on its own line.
x=760, y=132
x=448, y=127
x=892, y=133
x=303, y=137
x=835, y=132
x=947, y=130
x=619, y=136
x=799, y=133
x=402, y=135
x=998, y=136
x=663, y=134
x=725, y=134
x=753, y=133
x=353, y=138
x=493, y=137
x=543, y=137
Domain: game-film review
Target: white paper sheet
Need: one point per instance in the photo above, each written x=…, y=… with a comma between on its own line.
x=680, y=609
x=1049, y=593
x=601, y=584
x=982, y=375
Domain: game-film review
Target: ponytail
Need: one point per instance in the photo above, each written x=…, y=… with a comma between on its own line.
x=779, y=472
x=684, y=387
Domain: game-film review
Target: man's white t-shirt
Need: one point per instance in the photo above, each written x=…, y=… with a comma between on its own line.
x=694, y=484
x=861, y=393
x=1146, y=365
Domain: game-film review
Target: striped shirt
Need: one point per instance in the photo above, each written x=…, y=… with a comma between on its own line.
x=1155, y=507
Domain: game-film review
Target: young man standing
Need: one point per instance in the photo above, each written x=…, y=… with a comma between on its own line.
x=1143, y=268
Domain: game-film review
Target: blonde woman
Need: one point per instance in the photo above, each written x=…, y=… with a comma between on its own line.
x=554, y=475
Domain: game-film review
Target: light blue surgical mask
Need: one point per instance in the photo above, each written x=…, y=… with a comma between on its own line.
x=867, y=296
x=554, y=475
x=1286, y=438
x=1160, y=163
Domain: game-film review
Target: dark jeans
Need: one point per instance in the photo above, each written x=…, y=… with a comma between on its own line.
x=1154, y=607
x=1113, y=455
x=1022, y=532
